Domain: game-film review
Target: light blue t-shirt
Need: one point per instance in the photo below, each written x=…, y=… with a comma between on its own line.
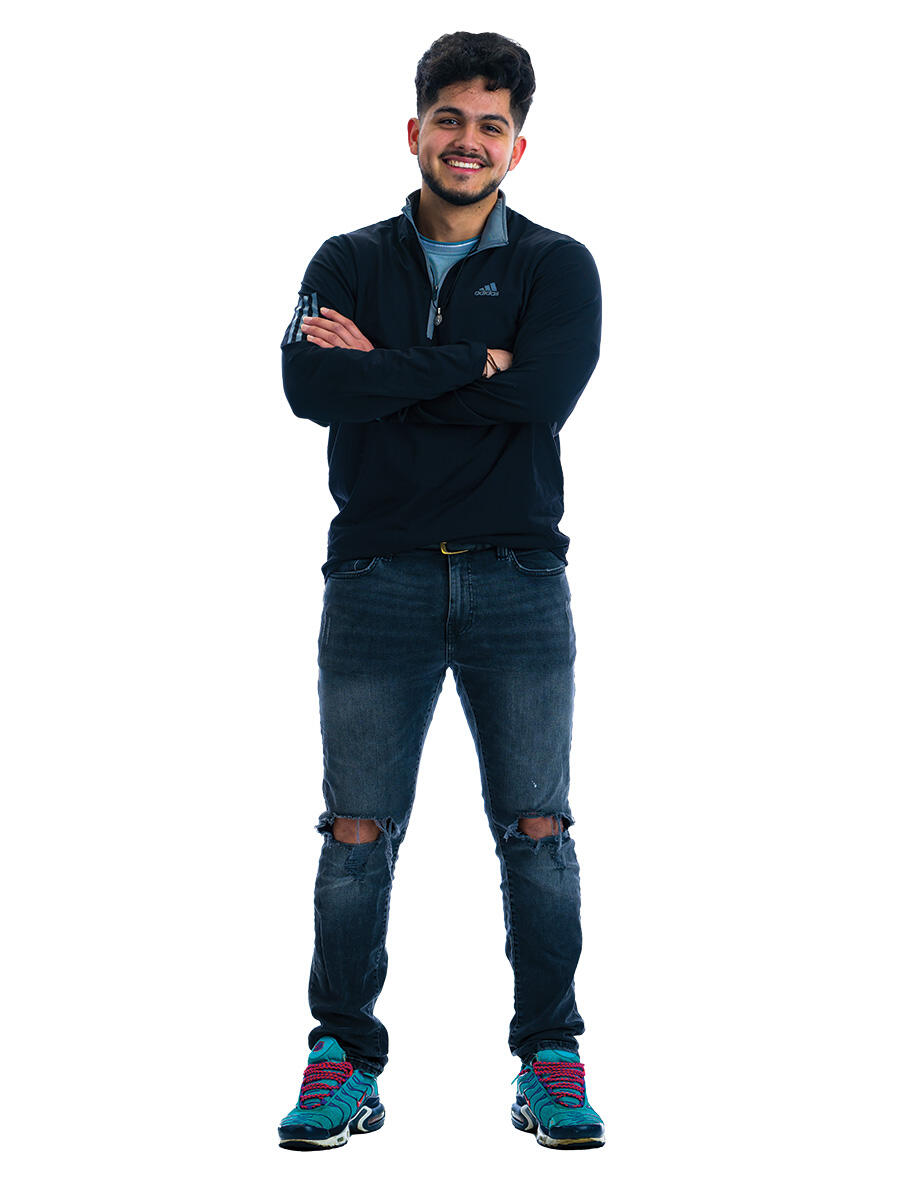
x=441, y=256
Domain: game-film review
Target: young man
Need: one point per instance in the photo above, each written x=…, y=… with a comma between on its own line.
x=444, y=348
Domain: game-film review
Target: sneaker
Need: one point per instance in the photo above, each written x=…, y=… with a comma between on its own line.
x=551, y=1102
x=335, y=1101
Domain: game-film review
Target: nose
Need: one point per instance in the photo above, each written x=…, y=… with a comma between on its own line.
x=468, y=151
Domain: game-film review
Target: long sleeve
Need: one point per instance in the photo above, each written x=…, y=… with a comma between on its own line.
x=556, y=349
x=336, y=384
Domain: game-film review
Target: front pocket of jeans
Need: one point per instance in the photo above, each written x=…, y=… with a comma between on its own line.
x=537, y=563
x=351, y=568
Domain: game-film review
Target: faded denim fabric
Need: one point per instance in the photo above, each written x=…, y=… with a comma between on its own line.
x=391, y=626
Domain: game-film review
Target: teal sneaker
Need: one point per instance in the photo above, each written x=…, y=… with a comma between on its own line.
x=551, y=1103
x=335, y=1101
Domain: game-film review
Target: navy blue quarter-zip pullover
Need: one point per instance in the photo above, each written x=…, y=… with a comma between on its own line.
x=421, y=448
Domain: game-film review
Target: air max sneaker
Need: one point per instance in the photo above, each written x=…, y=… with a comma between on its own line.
x=335, y=1101
x=551, y=1103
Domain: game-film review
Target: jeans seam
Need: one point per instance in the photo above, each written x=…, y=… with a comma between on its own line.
x=513, y=941
x=470, y=587
x=382, y=1049
x=428, y=713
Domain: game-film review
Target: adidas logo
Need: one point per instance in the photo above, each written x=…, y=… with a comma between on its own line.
x=489, y=289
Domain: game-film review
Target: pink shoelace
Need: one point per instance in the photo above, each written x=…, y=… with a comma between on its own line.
x=320, y=1079
x=563, y=1080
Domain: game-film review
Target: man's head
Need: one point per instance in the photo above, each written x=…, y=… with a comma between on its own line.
x=473, y=92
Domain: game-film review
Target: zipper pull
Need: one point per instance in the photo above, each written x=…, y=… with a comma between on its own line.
x=437, y=317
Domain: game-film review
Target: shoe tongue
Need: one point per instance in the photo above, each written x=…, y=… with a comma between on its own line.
x=327, y=1048
x=552, y=1055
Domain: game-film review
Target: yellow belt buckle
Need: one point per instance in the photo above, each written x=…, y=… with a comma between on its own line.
x=444, y=550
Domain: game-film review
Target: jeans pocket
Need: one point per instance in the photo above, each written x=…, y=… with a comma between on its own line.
x=352, y=568
x=537, y=562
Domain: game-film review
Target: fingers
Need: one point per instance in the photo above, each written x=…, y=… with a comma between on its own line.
x=325, y=332
x=336, y=324
x=335, y=330
x=335, y=316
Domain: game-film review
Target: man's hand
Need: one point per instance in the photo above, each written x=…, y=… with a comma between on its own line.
x=502, y=359
x=334, y=330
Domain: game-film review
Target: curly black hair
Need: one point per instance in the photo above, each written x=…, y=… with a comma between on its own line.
x=459, y=57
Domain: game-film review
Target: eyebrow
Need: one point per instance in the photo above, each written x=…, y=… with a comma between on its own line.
x=458, y=112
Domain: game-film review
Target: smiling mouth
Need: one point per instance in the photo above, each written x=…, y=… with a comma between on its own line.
x=462, y=166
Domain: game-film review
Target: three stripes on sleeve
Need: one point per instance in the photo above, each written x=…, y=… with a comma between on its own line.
x=307, y=306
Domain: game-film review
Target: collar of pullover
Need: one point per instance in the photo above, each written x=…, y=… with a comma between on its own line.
x=493, y=234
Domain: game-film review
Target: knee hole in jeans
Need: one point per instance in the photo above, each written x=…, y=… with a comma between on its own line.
x=352, y=830
x=539, y=827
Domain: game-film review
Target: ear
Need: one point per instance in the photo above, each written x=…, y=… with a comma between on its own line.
x=518, y=150
x=412, y=134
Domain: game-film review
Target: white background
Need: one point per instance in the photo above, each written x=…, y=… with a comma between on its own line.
x=731, y=492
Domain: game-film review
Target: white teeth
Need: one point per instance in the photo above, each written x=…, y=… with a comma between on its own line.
x=455, y=162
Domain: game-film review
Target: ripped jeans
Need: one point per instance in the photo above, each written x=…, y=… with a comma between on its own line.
x=391, y=626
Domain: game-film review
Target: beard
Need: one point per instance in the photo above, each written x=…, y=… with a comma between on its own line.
x=453, y=197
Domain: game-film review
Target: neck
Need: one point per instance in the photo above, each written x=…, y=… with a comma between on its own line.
x=443, y=222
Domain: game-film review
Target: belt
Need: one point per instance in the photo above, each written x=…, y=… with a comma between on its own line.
x=465, y=547
x=472, y=546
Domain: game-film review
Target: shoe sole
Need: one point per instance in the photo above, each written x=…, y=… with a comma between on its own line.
x=524, y=1120
x=369, y=1119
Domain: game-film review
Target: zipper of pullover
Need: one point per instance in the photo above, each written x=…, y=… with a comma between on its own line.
x=423, y=263
x=434, y=302
x=498, y=237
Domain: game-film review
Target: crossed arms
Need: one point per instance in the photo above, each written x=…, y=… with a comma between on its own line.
x=332, y=372
x=337, y=330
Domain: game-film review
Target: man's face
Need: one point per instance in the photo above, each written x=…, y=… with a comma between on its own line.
x=466, y=124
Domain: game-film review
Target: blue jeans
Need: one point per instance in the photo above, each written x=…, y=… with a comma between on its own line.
x=391, y=626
